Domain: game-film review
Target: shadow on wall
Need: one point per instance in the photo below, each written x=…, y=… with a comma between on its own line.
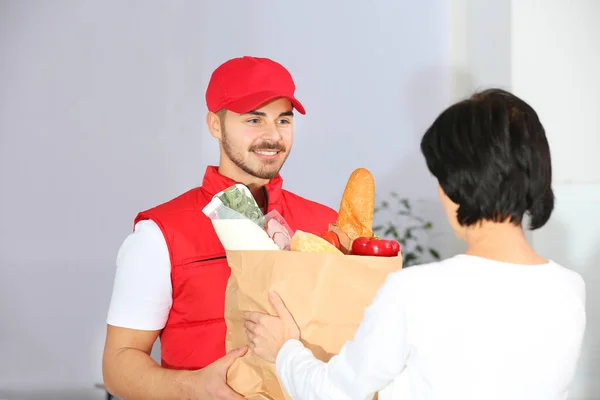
x=411, y=178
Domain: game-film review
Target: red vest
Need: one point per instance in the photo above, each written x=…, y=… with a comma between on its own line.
x=194, y=335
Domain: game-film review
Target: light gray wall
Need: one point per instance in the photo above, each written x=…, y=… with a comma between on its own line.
x=102, y=115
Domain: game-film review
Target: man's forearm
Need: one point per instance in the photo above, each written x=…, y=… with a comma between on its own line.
x=132, y=374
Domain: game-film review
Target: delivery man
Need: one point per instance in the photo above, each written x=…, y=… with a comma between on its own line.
x=172, y=271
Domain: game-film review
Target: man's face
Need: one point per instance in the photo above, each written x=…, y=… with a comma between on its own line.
x=260, y=141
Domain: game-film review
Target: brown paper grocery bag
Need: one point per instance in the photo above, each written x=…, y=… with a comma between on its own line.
x=326, y=293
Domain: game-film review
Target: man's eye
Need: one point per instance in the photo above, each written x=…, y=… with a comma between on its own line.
x=253, y=121
x=284, y=121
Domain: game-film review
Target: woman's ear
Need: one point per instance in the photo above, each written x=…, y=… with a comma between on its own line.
x=214, y=125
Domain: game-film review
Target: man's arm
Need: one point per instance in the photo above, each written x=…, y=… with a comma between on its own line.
x=139, y=308
x=130, y=373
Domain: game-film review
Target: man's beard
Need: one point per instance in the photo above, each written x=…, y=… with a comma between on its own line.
x=265, y=171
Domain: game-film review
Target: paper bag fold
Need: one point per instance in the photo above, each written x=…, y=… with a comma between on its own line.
x=326, y=293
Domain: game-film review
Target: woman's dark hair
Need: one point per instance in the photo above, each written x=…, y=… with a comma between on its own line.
x=490, y=155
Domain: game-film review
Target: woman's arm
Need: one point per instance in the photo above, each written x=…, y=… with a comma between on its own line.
x=366, y=364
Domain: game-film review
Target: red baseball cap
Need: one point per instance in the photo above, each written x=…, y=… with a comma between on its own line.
x=244, y=84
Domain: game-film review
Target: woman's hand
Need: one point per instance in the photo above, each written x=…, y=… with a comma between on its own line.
x=266, y=333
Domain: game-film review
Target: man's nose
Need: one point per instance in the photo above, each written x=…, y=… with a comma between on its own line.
x=272, y=133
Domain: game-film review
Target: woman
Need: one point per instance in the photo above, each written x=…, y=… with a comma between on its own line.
x=497, y=322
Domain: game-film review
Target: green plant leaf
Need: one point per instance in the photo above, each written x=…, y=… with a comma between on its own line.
x=408, y=231
x=405, y=203
x=434, y=253
x=409, y=258
x=416, y=218
x=391, y=230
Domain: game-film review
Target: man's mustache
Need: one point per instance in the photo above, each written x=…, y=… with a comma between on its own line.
x=267, y=146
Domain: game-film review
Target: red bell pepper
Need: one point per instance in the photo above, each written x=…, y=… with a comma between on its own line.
x=374, y=246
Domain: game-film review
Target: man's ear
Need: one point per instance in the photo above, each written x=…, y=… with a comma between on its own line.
x=214, y=125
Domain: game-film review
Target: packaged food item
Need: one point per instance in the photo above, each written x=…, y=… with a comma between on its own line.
x=308, y=242
x=326, y=280
x=238, y=221
x=278, y=230
x=239, y=199
x=234, y=210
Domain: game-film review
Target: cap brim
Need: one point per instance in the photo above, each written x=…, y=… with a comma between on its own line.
x=256, y=100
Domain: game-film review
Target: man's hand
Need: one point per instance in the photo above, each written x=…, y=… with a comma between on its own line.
x=210, y=381
x=130, y=372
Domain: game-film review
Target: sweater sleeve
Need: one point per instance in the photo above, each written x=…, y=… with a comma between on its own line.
x=367, y=363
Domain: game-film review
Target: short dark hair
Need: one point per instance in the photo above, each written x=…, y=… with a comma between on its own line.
x=490, y=155
x=221, y=114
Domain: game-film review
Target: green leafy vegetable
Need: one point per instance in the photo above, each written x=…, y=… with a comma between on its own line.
x=239, y=198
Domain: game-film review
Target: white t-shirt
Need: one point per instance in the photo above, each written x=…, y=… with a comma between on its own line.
x=142, y=293
x=464, y=328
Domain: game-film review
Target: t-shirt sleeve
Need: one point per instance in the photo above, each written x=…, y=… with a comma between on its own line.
x=142, y=291
x=366, y=364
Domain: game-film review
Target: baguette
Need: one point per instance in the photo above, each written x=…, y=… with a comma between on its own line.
x=355, y=217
